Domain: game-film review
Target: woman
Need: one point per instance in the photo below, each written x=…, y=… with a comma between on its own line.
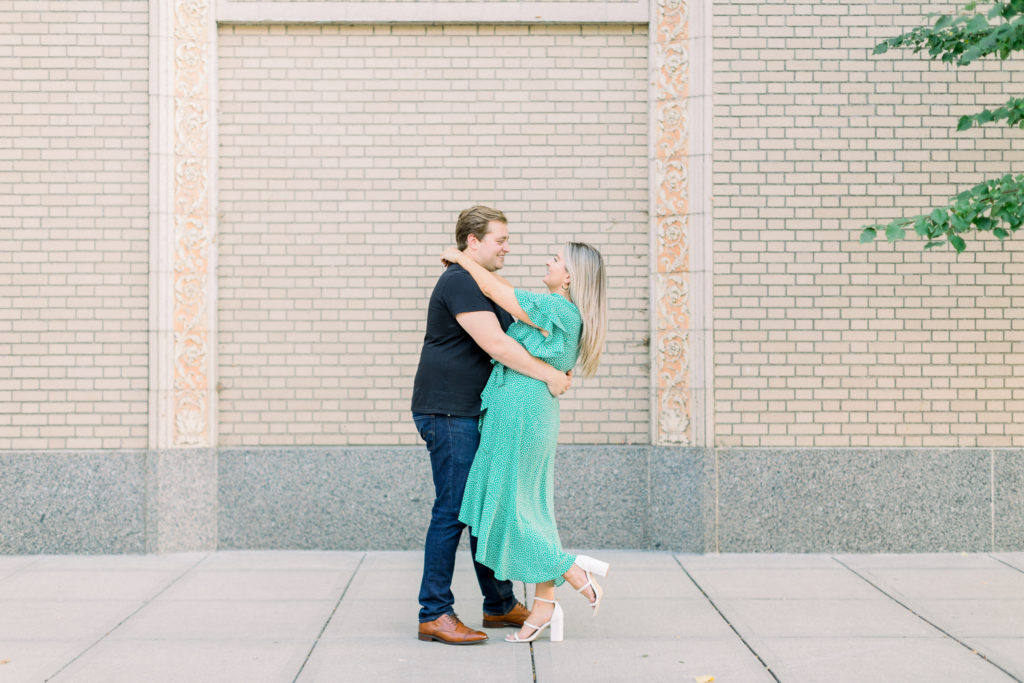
x=508, y=501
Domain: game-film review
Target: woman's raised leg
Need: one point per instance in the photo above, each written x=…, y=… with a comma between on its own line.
x=581, y=577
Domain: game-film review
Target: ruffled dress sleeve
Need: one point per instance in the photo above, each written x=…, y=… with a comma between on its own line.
x=553, y=313
x=559, y=317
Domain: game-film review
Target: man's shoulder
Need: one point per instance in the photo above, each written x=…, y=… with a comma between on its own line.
x=456, y=280
x=455, y=272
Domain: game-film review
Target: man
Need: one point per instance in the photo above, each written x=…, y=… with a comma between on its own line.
x=464, y=331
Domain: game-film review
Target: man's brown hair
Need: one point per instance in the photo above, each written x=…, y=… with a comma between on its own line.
x=473, y=221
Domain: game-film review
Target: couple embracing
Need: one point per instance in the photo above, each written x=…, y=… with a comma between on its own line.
x=492, y=428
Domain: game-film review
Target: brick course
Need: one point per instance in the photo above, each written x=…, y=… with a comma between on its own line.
x=73, y=225
x=347, y=153
x=821, y=341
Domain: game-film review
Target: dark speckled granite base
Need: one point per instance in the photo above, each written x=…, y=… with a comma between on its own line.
x=1008, y=506
x=380, y=498
x=681, y=515
x=636, y=497
x=849, y=500
x=74, y=502
x=601, y=496
x=330, y=498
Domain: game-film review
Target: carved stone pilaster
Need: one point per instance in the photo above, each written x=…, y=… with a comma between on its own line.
x=181, y=467
x=183, y=165
x=670, y=179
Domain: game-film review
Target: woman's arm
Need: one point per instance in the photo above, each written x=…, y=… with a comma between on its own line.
x=494, y=287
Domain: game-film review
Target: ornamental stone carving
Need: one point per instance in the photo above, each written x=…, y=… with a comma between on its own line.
x=192, y=405
x=671, y=181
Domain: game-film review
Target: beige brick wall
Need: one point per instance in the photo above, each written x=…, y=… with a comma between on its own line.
x=496, y=2
x=73, y=222
x=346, y=154
x=821, y=341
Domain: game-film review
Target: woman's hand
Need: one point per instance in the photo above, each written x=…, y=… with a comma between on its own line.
x=451, y=255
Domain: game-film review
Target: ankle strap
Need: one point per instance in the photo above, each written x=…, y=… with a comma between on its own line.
x=545, y=600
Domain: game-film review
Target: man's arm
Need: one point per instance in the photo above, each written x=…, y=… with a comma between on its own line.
x=484, y=328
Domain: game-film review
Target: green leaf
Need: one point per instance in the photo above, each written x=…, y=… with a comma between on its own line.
x=881, y=48
x=944, y=21
x=894, y=232
x=964, y=123
x=970, y=7
x=921, y=226
x=1000, y=233
x=868, y=235
x=938, y=216
x=978, y=23
x=958, y=243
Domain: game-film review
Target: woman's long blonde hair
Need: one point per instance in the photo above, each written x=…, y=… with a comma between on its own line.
x=587, y=287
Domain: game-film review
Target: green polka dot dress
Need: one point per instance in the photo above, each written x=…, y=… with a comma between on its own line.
x=508, y=503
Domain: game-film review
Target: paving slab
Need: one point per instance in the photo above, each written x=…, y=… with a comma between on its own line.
x=177, y=562
x=978, y=583
x=61, y=619
x=32, y=661
x=196, y=661
x=400, y=559
x=647, y=659
x=642, y=583
x=261, y=560
x=92, y=584
x=822, y=618
x=11, y=565
x=409, y=659
x=1006, y=652
x=756, y=561
x=227, y=620
x=784, y=583
x=404, y=584
x=858, y=659
x=337, y=616
x=919, y=561
x=625, y=559
x=257, y=585
x=1015, y=560
x=968, y=619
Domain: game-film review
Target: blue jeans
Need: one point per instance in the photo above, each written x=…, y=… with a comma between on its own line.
x=452, y=442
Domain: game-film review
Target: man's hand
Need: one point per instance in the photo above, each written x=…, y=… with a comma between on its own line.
x=559, y=383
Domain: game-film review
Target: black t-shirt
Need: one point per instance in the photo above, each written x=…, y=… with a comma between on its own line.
x=453, y=369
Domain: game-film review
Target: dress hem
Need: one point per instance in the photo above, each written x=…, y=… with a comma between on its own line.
x=558, y=578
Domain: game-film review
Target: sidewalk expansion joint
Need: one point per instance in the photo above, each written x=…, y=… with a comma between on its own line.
x=726, y=620
x=1004, y=562
x=22, y=568
x=329, y=618
x=972, y=650
x=145, y=604
x=533, y=660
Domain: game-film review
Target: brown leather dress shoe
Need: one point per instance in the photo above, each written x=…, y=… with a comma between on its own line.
x=449, y=630
x=514, y=617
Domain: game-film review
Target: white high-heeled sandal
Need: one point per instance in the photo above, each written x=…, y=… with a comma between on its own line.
x=590, y=565
x=556, y=622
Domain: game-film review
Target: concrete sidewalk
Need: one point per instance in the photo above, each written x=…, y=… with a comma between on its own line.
x=283, y=616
